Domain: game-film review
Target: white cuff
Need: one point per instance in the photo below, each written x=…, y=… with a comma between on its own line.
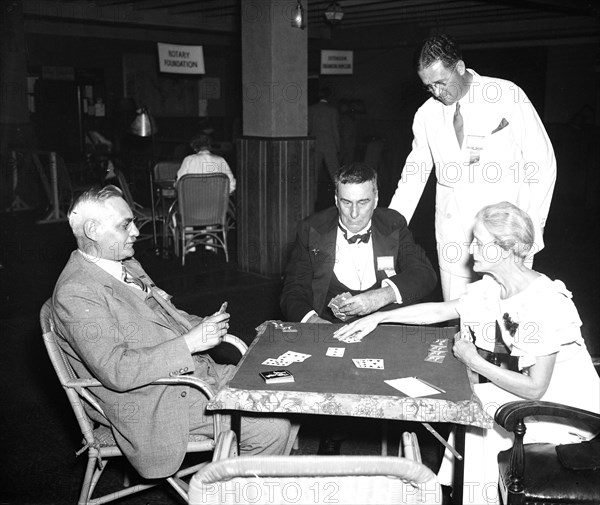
x=387, y=282
x=308, y=316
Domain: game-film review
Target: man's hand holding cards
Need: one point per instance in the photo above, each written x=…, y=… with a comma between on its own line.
x=336, y=303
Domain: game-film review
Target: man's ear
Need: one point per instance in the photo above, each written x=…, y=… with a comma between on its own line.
x=460, y=67
x=90, y=229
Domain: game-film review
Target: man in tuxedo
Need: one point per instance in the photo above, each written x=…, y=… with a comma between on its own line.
x=354, y=247
x=119, y=328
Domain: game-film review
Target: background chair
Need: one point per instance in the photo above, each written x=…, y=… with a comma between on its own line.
x=200, y=217
x=98, y=440
x=166, y=170
x=534, y=473
x=312, y=479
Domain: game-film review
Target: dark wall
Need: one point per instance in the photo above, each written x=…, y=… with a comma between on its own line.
x=104, y=59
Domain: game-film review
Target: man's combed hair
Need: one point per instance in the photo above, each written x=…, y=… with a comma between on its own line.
x=355, y=173
x=95, y=194
x=439, y=48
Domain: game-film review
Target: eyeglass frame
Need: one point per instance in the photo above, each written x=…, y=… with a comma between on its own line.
x=435, y=85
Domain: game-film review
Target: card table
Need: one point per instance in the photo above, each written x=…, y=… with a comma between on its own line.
x=327, y=385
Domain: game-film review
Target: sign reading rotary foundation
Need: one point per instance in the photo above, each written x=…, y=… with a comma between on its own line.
x=336, y=62
x=179, y=59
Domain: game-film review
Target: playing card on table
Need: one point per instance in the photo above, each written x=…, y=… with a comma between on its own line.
x=435, y=358
x=275, y=362
x=292, y=356
x=434, y=347
x=336, y=352
x=350, y=339
x=369, y=363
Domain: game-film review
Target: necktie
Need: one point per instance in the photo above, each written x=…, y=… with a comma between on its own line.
x=458, y=125
x=363, y=237
x=131, y=279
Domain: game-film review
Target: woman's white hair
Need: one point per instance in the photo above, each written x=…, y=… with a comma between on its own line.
x=511, y=227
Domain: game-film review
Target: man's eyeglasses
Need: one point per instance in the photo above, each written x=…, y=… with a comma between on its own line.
x=430, y=88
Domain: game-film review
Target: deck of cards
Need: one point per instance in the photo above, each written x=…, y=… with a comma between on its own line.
x=286, y=359
x=277, y=376
x=336, y=302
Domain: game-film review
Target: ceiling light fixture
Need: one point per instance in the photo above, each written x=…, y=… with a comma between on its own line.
x=334, y=13
x=298, y=16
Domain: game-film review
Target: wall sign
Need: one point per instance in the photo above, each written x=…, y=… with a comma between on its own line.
x=336, y=62
x=178, y=59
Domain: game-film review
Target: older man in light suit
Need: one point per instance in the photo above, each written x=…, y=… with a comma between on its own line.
x=119, y=328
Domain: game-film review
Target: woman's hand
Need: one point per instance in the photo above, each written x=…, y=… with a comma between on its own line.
x=464, y=350
x=360, y=327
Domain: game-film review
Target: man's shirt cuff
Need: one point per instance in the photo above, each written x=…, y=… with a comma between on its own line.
x=387, y=282
x=308, y=316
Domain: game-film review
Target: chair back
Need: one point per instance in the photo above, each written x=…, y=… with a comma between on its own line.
x=312, y=479
x=203, y=199
x=76, y=389
x=166, y=170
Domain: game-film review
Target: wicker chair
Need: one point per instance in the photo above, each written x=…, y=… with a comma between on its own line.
x=98, y=440
x=166, y=170
x=200, y=217
x=312, y=479
x=533, y=473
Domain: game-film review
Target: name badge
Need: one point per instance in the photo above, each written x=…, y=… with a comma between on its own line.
x=386, y=264
x=475, y=142
x=475, y=146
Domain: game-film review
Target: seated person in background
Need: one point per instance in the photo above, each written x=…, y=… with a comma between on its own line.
x=205, y=162
x=120, y=329
x=540, y=326
x=354, y=247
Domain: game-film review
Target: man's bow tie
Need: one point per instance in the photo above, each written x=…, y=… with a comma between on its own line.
x=364, y=237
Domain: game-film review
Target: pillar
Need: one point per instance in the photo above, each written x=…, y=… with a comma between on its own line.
x=275, y=156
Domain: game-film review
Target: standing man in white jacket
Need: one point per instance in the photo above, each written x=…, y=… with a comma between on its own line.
x=487, y=144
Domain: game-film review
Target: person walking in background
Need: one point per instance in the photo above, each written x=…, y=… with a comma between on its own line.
x=348, y=131
x=324, y=126
x=487, y=143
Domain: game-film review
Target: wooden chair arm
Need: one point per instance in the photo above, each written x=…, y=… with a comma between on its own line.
x=511, y=417
x=511, y=414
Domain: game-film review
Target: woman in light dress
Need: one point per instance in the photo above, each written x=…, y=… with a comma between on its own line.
x=539, y=325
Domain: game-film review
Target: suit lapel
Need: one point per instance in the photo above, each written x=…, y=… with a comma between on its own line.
x=120, y=291
x=385, y=243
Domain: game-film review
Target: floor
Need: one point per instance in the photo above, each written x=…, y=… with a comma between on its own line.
x=39, y=436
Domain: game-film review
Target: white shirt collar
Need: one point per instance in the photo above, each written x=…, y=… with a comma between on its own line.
x=351, y=234
x=113, y=268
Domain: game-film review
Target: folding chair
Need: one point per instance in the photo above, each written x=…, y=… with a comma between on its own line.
x=312, y=479
x=200, y=217
x=98, y=440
